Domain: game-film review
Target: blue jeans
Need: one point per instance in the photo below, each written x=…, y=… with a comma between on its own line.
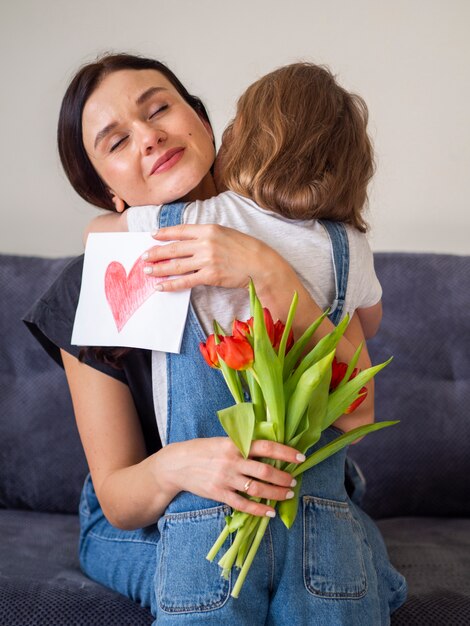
x=119, y=559
x=329, y=577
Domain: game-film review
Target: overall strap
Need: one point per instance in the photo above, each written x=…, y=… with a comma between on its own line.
x=340, y=250
x=354, y=478
x=171, y=214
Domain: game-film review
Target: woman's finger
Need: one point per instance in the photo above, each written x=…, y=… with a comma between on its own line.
x=171, y=267
x=188, y=281
x=172, y=250
x=267, y=473
x=186, y=231
x=239, y=503
x=262, y=490
x=274, y=450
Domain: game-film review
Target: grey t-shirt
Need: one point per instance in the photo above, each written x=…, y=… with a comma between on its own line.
x=305, y=244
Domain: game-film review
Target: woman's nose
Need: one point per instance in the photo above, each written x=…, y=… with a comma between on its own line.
x=151, y=138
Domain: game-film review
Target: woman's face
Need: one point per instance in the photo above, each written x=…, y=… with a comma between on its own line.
x=146, y=143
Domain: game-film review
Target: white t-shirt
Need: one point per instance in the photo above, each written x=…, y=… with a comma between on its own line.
x=304, y=244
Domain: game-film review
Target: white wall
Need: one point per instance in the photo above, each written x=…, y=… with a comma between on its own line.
x=408, y=58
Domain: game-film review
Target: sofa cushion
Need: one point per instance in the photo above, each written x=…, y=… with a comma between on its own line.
x=40, y=576
x=40, y=579
x=42, y=465
x=422, y=465
x=434, y=556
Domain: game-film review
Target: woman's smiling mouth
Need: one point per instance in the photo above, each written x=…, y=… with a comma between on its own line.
x=166, y=161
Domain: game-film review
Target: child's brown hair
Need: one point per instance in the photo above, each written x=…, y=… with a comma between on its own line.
x=299, y=146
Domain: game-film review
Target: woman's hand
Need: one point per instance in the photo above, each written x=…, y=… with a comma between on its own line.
x=208, y=254
x=214, y=468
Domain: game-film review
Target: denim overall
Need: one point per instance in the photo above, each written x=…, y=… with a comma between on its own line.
x=330, y=569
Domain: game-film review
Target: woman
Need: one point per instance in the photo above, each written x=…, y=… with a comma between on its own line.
x=134, y=484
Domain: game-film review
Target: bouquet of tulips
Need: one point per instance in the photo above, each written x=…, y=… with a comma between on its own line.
x=293, y=398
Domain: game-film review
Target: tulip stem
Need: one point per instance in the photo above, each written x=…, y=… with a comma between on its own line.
x=244, y=548
x=263, y=524
x=218, y=544
x=228, y=559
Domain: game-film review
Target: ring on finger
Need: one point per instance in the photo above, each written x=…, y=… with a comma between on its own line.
x=247, y=485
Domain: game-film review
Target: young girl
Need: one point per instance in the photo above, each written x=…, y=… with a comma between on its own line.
x=297, y=152
x=296, y=161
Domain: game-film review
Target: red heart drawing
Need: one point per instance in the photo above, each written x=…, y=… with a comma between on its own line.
x=126, y=293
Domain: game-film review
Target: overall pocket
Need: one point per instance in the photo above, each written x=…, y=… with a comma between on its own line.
x=333, y=550
x=187, y=581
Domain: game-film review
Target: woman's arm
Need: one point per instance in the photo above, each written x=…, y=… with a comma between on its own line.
x=106, y=223
x=134, y=489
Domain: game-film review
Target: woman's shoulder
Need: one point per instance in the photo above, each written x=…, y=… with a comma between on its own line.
x=51, y=317
x=62, y=295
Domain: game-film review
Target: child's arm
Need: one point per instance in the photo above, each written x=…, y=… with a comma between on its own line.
x=107, y=223
x=370, y=319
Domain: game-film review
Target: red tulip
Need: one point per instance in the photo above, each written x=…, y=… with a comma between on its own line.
x=236, y=352
x=338, y=372
x=268, y=322
x=278, y=332
x=209, y=352
x=359, y=400
x=240, y=329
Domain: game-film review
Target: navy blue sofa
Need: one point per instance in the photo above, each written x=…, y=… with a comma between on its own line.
x=417, y=473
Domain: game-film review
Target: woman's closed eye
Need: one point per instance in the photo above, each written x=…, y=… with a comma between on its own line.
x=158, y=110
x=116, y=144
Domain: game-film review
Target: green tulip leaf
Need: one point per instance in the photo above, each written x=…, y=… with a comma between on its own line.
x=238, y=421
x=351, y=365
x=338, y=444
x=287, y=509
x=302, y=428
x=322, y=348
x=342, y=397
x=256, y=396
x=267, y=367
x=285, y=335
x=236, y=520
x=297, y=349
x=315, y=415
x=304, y=391
x=265, y=430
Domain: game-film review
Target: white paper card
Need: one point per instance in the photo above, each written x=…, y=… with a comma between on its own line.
x=118, y=304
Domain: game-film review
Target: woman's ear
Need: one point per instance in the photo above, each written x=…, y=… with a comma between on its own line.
x=118, y=202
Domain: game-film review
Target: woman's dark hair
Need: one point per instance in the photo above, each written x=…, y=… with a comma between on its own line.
x=80, y=172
